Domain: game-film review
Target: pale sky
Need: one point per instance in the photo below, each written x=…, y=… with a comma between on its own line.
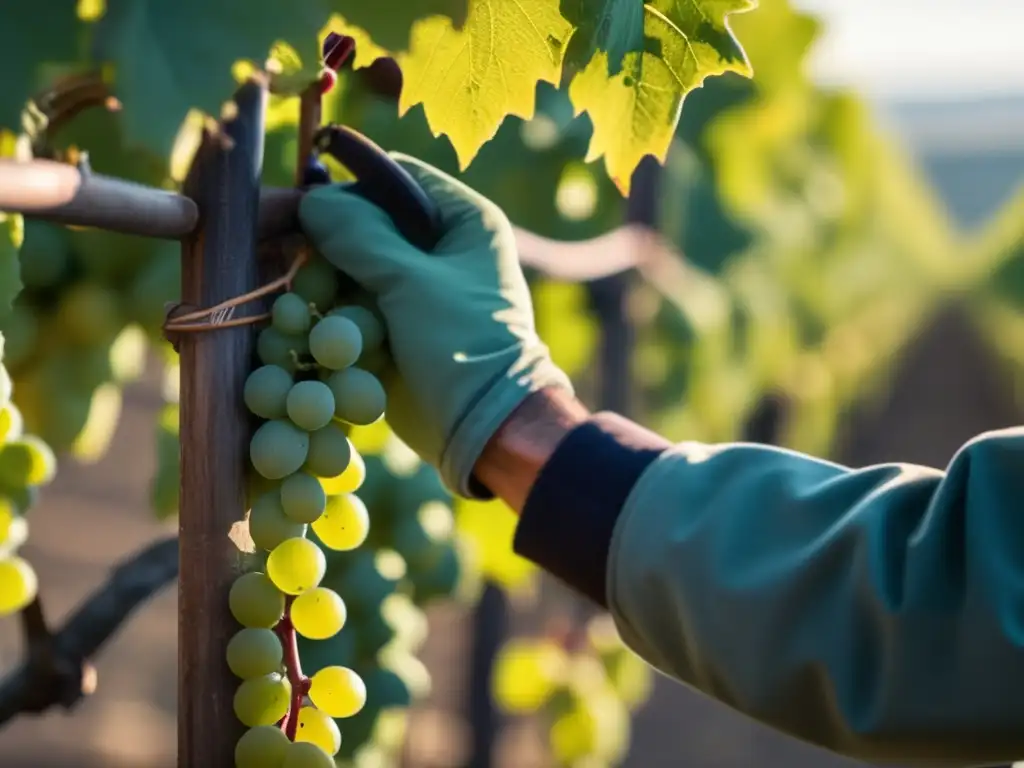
x=921, y=48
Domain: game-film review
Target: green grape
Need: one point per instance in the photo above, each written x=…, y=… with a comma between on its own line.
x=302, y=497
x=12, y=423
x=318, y=613
x=266, y=391
x=329, y=451
x=255, y=601
x=27, y=461
x=89, y=313
x=370, y=577
x=310, y=405
x=261, y=747
x=317, y=282
x=527, y=673
x=21, y=335
x=276, y=348
x=350, y=480
x=318, y=728
x=269, y=525
x=413, y=672
x=262, y=700
x=6, y=386
x=7, y=517
x=290, y=314
x=296, y=565
x=303, y=754
x=419, y=537
x=254, y=652
x=335, y=342
x=370, y=328
x=338, y=691
x=345, y=523
x=154, y=285
x=440, y=580
x=18, y=585
x=45, y=255
x=359, y=397
x=278, y=448
x=15, y=536
x=408, y=621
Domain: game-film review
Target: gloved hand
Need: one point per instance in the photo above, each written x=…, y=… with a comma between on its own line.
x=459, y=319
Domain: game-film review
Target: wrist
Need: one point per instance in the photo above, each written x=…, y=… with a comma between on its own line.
x=517, y=452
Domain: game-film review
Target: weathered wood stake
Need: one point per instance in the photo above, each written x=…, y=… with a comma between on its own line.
x=218, y=263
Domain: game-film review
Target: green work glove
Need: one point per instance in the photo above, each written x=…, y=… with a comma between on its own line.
x=459, y=319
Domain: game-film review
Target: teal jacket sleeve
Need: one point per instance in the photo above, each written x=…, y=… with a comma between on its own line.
x=878, y=612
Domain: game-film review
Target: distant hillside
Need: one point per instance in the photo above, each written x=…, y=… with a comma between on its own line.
x=972, y=150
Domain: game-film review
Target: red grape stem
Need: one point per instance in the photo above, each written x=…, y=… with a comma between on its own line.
x=293, y=668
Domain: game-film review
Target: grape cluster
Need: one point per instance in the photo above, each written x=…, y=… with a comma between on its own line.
x=587, y=692
x=26, y=463
x=307, y=393
x=410, y=559
x=75, y=336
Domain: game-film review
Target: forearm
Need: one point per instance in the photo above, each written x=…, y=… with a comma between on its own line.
x=873, y=612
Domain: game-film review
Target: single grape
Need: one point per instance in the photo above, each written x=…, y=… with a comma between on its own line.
x=335, y=342
x=338, y=691
x=359, y=396
x=296, y=565
x=527, y=673
x=269, y=525
x=302, y=497
x=254, y=652
x=276, y=348
x=255, y=601
x=348, y=481
x=317, y=282
x=12, y=423
x=18, y=584
x=329, y=451
x=370, y=328
x=263, y=700
x=345, y=523
x=420, y=536
x=303, y=754
x=315, y=727
x=27, y=461
x=310, y=405
x=261, y=747
x=318, y=613
x=278, y=448
x=290, y=314
x=266, y=391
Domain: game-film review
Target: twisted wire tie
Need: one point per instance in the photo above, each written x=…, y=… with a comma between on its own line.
x=222, y=315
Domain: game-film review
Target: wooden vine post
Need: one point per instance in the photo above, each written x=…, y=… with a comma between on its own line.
x=218, y=264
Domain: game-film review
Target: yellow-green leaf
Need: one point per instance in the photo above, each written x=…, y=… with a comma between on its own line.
x=635, y=111
x=389, y=23
x=469, y=79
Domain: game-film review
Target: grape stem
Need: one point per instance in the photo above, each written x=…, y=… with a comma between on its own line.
x=293, y=668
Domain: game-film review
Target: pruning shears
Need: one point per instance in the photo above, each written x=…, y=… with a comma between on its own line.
x=379, y=179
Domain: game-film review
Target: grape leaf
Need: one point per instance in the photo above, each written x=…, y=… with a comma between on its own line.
x=469, y=79
x=613, y=26
x=29, y=37
x=172, y=55
x=389, y=23
x=635, y=111
x=11, y=233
